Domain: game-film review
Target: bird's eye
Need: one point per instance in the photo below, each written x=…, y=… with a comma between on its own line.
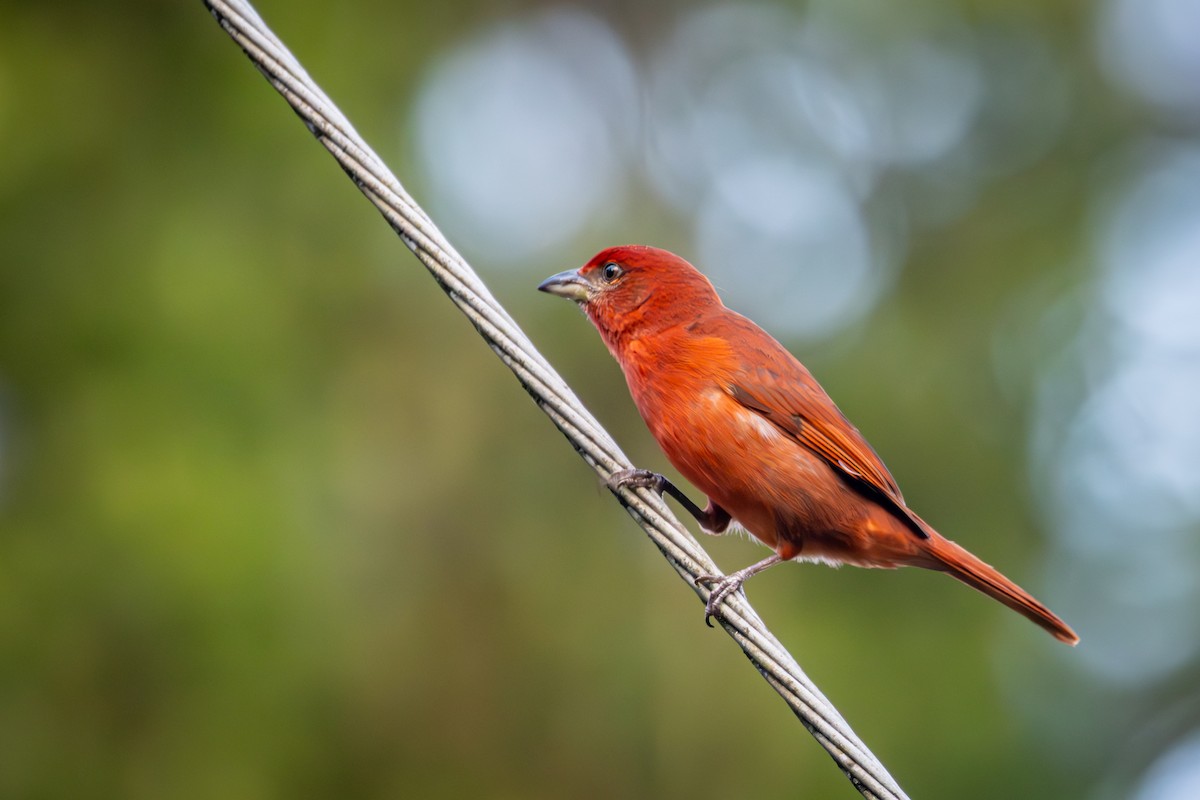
x=611, y=272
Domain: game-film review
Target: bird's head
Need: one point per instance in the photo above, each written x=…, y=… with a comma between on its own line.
x=633, y=291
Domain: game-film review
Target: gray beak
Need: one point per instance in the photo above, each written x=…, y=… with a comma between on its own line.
x=569, y=285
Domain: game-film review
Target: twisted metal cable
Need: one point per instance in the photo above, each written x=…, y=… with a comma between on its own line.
x=548, y=390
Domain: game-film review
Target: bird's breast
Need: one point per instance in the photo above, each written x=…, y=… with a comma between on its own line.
x=735, y=456
x=776, y=488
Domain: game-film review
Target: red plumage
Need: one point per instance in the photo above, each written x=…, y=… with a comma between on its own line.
x=749, y=426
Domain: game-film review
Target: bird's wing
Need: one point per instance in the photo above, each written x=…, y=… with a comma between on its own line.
x=785, y=393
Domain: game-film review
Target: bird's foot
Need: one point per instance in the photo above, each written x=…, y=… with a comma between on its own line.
x=638, y=479
x=720, y=587
x=712, y=519
x=724, y=585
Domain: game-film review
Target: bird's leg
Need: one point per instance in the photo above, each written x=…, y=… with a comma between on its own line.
x=713, y=519
x=722, y=587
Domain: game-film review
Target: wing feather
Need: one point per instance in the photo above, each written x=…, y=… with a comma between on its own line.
x=785, y=393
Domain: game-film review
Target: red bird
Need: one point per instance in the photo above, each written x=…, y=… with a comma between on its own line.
x=749, y=426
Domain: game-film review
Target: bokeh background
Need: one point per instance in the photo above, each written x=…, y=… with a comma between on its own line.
x=274, y=523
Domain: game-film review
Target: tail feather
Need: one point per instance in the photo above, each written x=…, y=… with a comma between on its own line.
x=964, y=566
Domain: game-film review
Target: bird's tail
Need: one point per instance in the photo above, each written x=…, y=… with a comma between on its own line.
x=964, y=566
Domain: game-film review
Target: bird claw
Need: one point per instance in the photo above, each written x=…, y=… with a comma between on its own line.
x=722, y=587
x=636, y=479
